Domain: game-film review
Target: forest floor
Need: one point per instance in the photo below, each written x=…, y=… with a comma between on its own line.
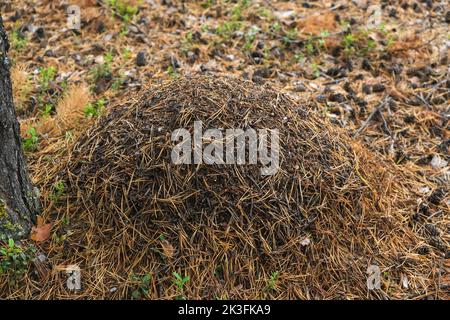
x=379, y=71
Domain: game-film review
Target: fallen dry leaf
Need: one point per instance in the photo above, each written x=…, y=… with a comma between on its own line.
x=167, y=248
x=42, y=231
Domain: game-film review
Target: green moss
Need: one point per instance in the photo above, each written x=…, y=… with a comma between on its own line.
x=13, y=227
x=7, y=227
x=2, y=210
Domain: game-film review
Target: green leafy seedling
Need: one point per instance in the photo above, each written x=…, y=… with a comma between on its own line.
x=271, y=283
x=31, y=143
x=180, y=282
x=143, y=285
x=59, y=189
x=14, y=260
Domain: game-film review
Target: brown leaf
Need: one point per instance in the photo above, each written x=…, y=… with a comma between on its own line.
x=41, y=232
x=167, y=248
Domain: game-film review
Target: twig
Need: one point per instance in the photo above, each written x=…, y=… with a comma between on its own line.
x=377, y=109
x=423, y=100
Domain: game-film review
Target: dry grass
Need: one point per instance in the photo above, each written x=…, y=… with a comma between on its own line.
x=69, y=114
x=84, y=3
x=70, y=109
x=131, y=211
x=22, y=86
x=317, y=23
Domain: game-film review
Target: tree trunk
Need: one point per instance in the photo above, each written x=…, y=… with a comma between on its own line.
x=19, y=203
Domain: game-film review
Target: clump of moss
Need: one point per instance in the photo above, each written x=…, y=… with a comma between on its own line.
x=2, y=209
x=8, y=228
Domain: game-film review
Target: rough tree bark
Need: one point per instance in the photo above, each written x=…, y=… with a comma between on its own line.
x=19, y=202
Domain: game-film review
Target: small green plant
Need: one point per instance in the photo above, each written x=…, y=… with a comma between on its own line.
x=93, y=110
x=250, y=37
x=390, y=40
x=124, y=9
x=276, y=27
x=299, y=58
x=236, y=11
x=208, y=4
x=187, y=42
x=18, y=41
x=124, y=31
x=102, y=70
x=324, y=34
x=31, y=143
x=290, y=36
x=180, y=282
x=371, y=44
x=48, y=108
x=309, y=47
x=118, y=82
x=382, y=27
x=272, y=282
x=316, y=44
x=108, y=58
x=345, y=24
x=63, y=84
x=204, y=28
x=349, y=42
x=59, y=189
x=143, y=285
x=265, y=12
x=46, y=76
x=126, y=53
x=358, y=43
x=172, y=72
x=14, y=260
x=227, y=29
x=246, y=3
x=315, y=70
